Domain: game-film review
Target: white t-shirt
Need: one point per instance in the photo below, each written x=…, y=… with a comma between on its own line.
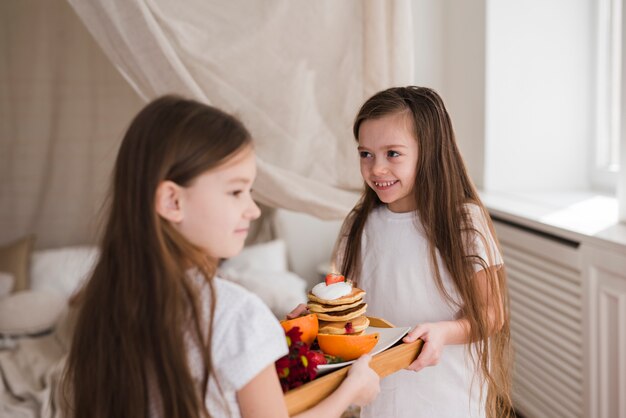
x=246, y=338
x=397, y=276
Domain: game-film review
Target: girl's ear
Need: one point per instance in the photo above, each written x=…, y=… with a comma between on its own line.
x=167, y=201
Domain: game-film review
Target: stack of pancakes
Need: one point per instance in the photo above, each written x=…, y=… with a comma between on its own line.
x=345, y=315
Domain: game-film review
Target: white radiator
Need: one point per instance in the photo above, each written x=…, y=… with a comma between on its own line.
x=545, y=289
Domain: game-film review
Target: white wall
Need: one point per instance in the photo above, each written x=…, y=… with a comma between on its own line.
x=539, y=94
x=428, y=21
x=516, y=78
x=450, y=58
x=464, y=90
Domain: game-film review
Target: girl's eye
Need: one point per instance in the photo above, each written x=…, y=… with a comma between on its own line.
x=391, y=153
x=236, y=192
x=364, y=154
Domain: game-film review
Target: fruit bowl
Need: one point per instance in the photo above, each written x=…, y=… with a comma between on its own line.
x=390, y=355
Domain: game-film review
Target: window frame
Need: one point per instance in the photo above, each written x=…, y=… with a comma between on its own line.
x=605, y=153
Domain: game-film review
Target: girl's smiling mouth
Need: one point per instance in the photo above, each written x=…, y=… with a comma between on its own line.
x=384, y=185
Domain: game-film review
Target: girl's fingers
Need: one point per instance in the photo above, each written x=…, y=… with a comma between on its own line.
x=427, y=357
x=361, y=362
x=365, y=358
x=366, y=380
x=414, y=334
x=299, y=310
x=417, y=365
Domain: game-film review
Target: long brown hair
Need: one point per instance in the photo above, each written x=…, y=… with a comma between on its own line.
x=442, y=192
x=136, y=306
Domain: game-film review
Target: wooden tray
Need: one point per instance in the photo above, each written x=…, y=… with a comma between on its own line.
x=384, y=363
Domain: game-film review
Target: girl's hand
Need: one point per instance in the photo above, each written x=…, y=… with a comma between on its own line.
x=363, y=380
x=298, y=310
x=434, y=337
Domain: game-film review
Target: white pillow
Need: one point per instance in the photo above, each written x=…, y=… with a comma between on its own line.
x=6, y=283
x=29, y=312
x=262, y=269
x=280, y=290
x=62, y=269
x=310, y=241
x=270, y=255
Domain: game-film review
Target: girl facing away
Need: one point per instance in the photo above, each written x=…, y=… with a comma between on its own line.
x=158, y=334
x=422, y=245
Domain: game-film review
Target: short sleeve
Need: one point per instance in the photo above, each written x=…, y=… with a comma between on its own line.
x=247, y=336
x=480, y=240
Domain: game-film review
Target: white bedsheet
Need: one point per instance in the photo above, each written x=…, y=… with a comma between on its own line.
x=30, y=374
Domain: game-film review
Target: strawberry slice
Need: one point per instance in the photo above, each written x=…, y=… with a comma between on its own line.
x=332, y=278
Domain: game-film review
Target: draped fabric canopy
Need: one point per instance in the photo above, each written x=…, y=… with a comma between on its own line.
x=295, y=72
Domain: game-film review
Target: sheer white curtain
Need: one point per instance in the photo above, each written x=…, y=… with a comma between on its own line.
x=295, y=72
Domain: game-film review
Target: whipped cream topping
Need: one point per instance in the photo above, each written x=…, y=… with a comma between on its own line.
x=332, y=292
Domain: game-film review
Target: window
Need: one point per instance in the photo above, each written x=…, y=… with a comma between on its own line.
x=605, y=165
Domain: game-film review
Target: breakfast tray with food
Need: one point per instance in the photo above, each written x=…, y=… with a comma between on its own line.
x=384, y=363
x=337, y=324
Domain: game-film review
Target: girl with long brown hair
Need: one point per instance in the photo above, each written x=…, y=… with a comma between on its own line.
x=422, y=245
x=158, y=334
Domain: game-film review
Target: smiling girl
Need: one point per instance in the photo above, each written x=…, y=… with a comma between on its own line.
x=422, y=245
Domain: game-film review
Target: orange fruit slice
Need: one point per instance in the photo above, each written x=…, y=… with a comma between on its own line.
x=308, y=325
x=347, y=347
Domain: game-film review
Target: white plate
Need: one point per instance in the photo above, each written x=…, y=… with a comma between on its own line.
x=386, y=338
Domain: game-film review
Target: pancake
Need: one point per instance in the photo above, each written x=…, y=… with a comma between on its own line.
x=358, y=325
x=355, y=295
x=323, y=307
x=346, y=315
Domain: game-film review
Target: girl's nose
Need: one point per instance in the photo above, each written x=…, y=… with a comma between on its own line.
x=253, y=211
x=379, y=168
